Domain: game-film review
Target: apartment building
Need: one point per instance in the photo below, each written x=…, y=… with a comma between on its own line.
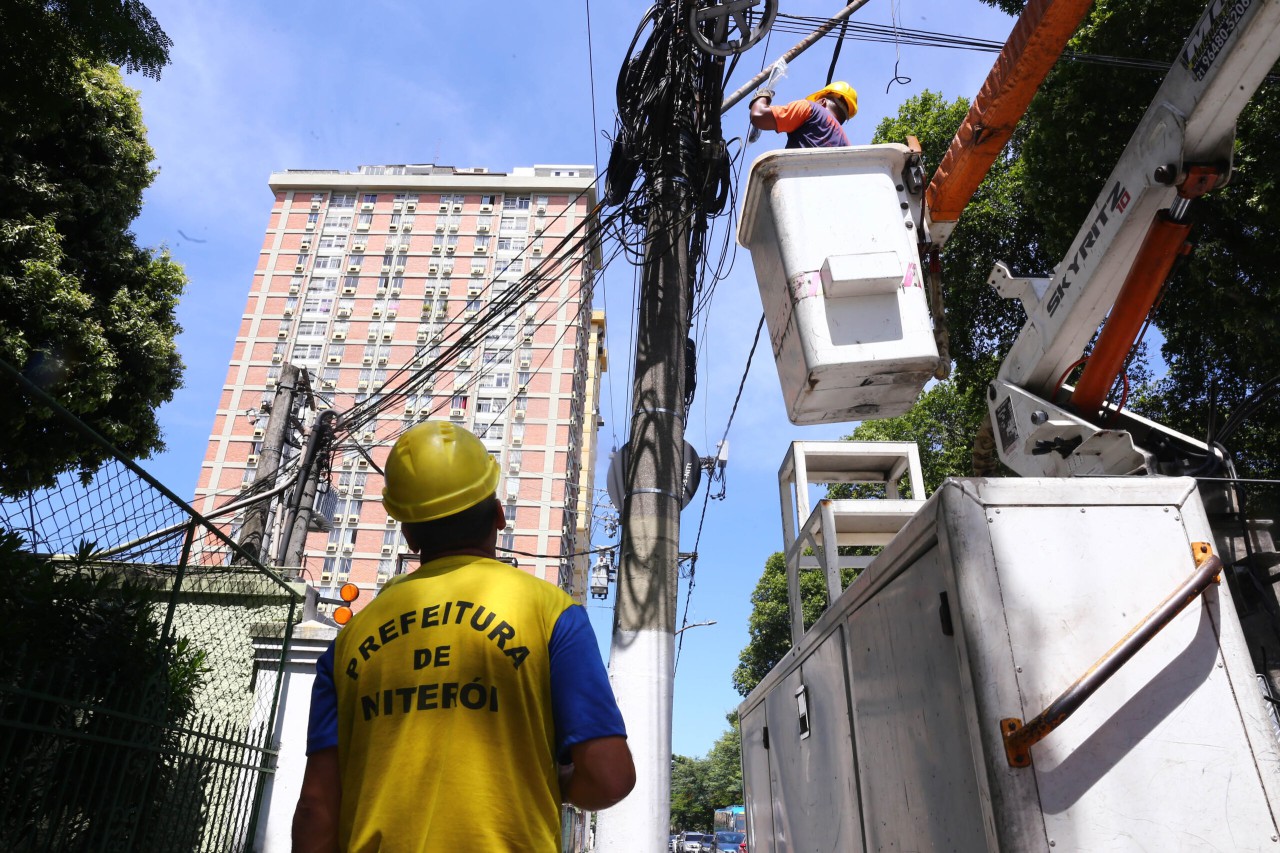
x=388, y=275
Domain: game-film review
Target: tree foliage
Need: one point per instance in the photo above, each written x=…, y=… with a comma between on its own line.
x=84, y=311
x=699, y=786
x=105, y=691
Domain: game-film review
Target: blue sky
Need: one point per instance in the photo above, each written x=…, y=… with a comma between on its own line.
x=256, y=88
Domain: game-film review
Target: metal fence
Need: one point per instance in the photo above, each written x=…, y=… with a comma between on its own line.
x=135, y=713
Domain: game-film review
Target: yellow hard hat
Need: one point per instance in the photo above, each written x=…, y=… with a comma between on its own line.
x=437, y=469
x=843, y=91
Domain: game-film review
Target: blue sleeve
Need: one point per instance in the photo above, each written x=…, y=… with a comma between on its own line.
x=322, y=725
x=581, y=697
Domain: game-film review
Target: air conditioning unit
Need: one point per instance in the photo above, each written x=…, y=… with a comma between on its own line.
x=464, y=362
x=347, y=462
x=299, y=267
x=422, y=337
x=453, y=228
x=459, y=384
x=386, y=549
x=326, y=577
x=477, y=271
x=271, y=382
x=393, y=227
x=358, y=247
x=395, y=291
x=373, y=334
x=435, y=250
x=357, y=491
x=542, y=208
x=408, y=414
x=514, y=467
x=331, y=548
x=383, y=577
x=315, y=205
x=522, y=387
x=386, y=268
x=367, y=360
x=347, y=549
x=486, y=208
x=252, y=461
x=293, y=290
x=482, y=227
x=519, y=413
x=434, y=269
x=399, y=270
x=537, y=229
x=516, y=441
x=344, y=311
x=451, y=249
x=362, y=226
x=339, y=335
x=480, y=250
x=524, y=362
x=396, y=206
x=277, y=357
x=348, y=291
x=245, y=486
x=531, y=311
x=382, y=359
x=457, y=413
x=404, y=247
x=387, y=333
x=528, y=339
x=353, y=268
x=353, y=519
x=377, y=312
x=288, y=310
x=442, y=312
x=310, y=226
x=410, y=206
x=444, y=207
x=259, y=432
x=469, y=313
x=407, y=226
x=283, y=334
x=343, y=577
x=362, y=462
x=440, y=227
x=368, y=205
x=305, y=246
x=457, y=208
x=362, y=385
x=473, y=290
x=334, y=359
x=327, y=383
x=537, y=250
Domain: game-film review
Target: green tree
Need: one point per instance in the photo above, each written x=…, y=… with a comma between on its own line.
x=691, y=807
x=84, y=311
x=724, y=766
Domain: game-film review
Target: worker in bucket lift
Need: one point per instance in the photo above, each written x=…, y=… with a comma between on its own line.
x=467, y=701
x=814, y=122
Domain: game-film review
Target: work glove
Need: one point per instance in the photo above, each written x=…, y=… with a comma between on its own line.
x=762, y=93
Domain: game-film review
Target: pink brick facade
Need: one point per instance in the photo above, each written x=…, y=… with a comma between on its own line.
x=363, y=273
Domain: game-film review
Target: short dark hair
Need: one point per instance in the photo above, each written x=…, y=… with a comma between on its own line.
x=465, y=529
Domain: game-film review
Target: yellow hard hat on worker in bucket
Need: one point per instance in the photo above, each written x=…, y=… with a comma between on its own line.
x=437, y=469
x=844, y=92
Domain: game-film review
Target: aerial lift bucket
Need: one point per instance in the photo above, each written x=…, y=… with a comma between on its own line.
x=833, y=236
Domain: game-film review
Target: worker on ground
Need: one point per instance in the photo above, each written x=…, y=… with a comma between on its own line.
x=814, y=122
x=468, y=700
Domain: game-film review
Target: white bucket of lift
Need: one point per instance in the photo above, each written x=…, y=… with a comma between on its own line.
x=832, y=234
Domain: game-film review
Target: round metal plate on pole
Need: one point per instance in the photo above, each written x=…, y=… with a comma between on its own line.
x=691, y=479
x=710, y=22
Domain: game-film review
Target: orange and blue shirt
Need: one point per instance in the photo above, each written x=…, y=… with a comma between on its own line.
x=809, y=125
x=451, y=697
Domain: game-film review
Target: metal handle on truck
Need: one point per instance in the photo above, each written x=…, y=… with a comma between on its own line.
x=1020, y=737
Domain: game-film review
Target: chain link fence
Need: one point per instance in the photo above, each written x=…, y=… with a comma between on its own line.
x=142, y=667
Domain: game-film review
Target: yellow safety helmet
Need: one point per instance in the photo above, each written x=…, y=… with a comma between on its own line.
x=843, y=91
x=437, y=469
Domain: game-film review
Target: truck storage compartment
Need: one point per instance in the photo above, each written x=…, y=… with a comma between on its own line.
x=883, y=728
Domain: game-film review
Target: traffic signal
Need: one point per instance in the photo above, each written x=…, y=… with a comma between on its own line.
x=349, y=593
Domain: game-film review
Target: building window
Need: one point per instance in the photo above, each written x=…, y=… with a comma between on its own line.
x=518, y=202
x=329, y=262
x=515, y=223
x=370, y=198
x=343, y=200
x=482, y=243
x=364, y=221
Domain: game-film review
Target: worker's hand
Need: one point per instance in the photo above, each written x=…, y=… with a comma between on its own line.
x=762, y=93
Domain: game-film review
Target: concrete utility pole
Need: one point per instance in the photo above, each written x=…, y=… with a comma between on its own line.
x=641, y=663
x=302, y=507
x=273, y=439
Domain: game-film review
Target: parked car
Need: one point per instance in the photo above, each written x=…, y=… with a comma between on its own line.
x=671, y=844
x=695, y=842
x=729, y=842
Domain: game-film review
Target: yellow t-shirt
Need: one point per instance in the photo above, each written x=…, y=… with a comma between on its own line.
x=445, y=731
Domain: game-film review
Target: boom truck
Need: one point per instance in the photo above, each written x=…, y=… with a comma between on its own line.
x=1045, y=662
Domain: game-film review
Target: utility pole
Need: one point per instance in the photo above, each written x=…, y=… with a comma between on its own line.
x=273, y=440
x=642, y=660
x=302, y=506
